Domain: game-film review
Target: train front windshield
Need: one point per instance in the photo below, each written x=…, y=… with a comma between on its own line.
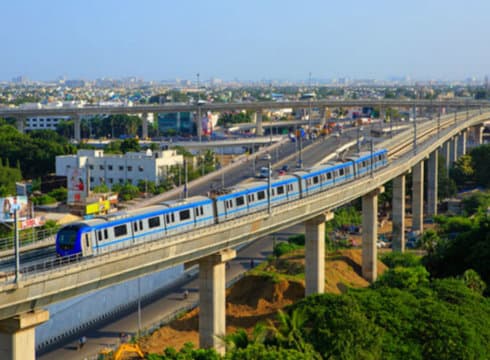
x=67, y=238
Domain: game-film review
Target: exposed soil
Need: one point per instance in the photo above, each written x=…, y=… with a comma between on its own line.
x=257, y=297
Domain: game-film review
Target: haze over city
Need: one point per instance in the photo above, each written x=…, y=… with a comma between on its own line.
x=252, y=40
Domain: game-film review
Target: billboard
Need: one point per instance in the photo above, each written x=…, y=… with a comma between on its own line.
x=77, y=185
x=9, y=204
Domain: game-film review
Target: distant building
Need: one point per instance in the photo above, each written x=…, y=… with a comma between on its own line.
x=181, y=122
x=118, y=169
x=44, y=122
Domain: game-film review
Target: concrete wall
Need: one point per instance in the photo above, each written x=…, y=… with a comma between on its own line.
x=83, y=310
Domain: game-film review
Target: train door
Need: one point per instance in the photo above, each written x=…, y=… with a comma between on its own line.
x=86, y=241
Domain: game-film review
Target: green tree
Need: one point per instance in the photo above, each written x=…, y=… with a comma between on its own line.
x=462, y=171
x=474, y=281
x=480, y=159
x=130, y=145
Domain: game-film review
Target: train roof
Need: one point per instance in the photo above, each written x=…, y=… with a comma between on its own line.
x=199, y=199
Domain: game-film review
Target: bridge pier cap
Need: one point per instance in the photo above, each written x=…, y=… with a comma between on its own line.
x=17, y=335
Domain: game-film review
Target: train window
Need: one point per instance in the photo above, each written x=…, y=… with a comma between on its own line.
x=315, y=180
x=202, y=210
x=154, y=222
x=120, y=230
x=280, y=190
x=341, y=172
x=185, y=215
x=172, y=216
x=329, y=176
x=99, y=235
x=106, y=234
x=261, y=195
x=141, y=224
x=135, y=226
x=273, y=192
x=167, y=218
x=87, y=242
x=240, y=201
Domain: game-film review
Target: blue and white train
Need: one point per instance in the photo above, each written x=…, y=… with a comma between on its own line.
x=108, y=233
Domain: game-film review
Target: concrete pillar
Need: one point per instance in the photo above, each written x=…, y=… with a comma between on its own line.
x=212, y=313
x=20, y=123
x=432, y=184
x=462, y=144
x=418, y=197
x=315, y=254
x=17, y=335
x=382, y=114
x=259, y=130
x=454, y=150
x=479, y=135
x=199, y=123
x=77, y=128
x=370, y=235
x=446, y=152
x=398, y=214
x=144, y=125
x=323, y=116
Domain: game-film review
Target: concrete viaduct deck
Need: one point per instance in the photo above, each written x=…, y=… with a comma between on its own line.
x=20, y=303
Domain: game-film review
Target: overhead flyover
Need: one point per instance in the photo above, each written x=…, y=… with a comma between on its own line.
x=38, y=289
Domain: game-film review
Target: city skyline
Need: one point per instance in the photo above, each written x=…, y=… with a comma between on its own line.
x=245, y=42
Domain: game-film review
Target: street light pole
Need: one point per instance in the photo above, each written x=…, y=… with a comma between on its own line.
x=414, y=132
x=185, y=179
x=17, y=245
x=372, y=163
x=309, y=103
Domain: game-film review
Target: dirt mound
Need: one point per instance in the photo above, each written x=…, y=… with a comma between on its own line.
x=253, y=290
x=256, y=298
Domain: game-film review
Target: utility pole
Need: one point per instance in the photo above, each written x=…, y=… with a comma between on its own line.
x=372, y=162
x=309, y=103
x=17, y=245
x=414, y=131
x=185, y=179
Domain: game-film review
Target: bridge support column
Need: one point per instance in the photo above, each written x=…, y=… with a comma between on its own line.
x=17, y=335
x=446, y=152
x=19, y=123
x=145, y=119
x=479, y=135
x=462, y=144
x=370, y=235
x=432, y=184
x=399, y=213
x=418, y=197
x=212, y=286
x=77, y=128
x=199, y=123
x=454, y=150
x=315, y=254
x=259, y=130
x=323, y=117
x=382, y=114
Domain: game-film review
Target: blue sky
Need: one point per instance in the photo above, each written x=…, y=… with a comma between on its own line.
x=245, y=40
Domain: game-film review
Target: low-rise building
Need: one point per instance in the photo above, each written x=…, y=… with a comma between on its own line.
x=113, y=169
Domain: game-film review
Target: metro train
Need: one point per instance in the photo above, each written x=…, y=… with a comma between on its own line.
x=104, y=234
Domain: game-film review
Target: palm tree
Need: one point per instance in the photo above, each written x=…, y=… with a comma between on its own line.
x=288, y=330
